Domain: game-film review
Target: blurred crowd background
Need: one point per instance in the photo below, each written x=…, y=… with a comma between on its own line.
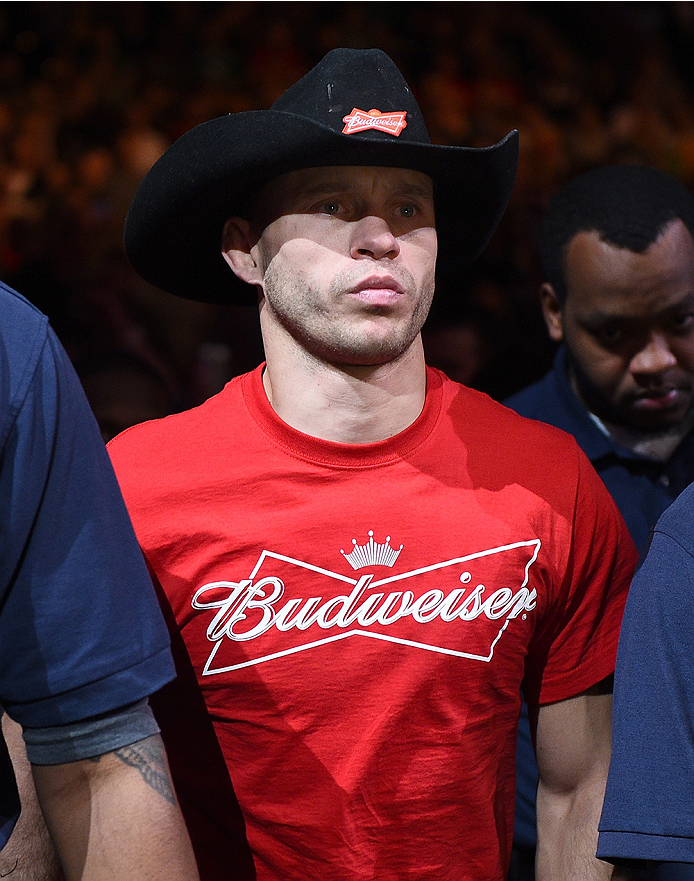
x=92, y=93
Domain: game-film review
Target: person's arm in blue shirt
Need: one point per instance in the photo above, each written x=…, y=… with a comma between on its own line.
x=110, y=815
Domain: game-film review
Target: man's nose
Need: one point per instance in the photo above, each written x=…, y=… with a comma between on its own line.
x=372, y=237
x=654, y=357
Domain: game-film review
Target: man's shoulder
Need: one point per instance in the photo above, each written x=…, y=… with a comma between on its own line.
x=677, y=521
x=19, y=305
x=539, y=400
x=552, y=400
x=496, y=426
x=24, y=331
x=158, y=443
x=23, y=326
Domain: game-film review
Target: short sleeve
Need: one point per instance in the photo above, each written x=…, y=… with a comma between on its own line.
x=575, y=644
x=647, y=812
x=80, y=628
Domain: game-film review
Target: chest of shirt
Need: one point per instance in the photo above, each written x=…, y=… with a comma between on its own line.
x=339, y=573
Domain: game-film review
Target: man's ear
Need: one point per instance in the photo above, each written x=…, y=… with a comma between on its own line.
x=237, y=249
x=551, y=312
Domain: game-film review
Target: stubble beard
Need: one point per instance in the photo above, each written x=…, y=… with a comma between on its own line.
x=328, y=333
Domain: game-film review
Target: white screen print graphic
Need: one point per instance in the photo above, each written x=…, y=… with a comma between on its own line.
x=263, y=605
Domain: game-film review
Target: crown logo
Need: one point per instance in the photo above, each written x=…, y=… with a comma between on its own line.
x=372, y=553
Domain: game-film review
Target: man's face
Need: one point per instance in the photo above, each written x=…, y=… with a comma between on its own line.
x=347, y=256
x=628, y=325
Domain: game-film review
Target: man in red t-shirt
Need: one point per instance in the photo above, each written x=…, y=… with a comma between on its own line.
x=363, y=563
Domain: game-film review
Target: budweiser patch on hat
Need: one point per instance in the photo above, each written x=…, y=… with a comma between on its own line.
x=360, y=121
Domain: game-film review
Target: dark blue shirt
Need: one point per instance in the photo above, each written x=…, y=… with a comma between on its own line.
x=641, y=487
x=648, y=812
x=81, y=632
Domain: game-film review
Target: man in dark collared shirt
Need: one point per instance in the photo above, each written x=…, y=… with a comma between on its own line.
x=618, y=251
x=642, y=486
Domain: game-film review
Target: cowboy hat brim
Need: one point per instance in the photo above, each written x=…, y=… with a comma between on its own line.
x=174, y=226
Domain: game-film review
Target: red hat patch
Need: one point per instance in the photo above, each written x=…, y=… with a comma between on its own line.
x=360, y=120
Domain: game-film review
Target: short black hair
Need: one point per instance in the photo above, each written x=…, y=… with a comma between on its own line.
x=628, y=206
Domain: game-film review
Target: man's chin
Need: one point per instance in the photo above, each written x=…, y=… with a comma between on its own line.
x=655, y=419
x=365, y=360
x=366, y=353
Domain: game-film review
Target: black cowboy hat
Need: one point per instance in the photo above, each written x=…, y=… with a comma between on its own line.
x=353, y=108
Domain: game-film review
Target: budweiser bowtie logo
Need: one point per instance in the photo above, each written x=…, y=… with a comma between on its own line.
x=459, y=607
x=359, y=121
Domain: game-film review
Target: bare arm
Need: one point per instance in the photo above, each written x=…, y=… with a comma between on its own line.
x=29, y=855
x=573, y=742
x=116, y=816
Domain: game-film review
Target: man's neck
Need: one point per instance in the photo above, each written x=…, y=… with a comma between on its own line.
x=347, y=404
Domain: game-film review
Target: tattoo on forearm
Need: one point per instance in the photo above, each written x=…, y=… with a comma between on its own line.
x=147, y=756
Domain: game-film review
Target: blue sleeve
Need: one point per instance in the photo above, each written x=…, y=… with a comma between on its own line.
x=80, y=627
x=91, y=737
x=647, y=812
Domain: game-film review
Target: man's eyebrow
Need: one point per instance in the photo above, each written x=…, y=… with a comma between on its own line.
x=337, y=184
x=413, y=189
x=322, y=187
x=602, y=316
x=685, y=302
x=599, y=317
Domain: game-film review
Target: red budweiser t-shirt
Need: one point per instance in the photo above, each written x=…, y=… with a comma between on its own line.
x=356, y=623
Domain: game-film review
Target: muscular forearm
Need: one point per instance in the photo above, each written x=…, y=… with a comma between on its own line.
x=568, y=836
x=116, y=817
x=573, y=753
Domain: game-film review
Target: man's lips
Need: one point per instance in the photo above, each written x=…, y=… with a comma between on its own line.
x=378, y=290
x=659, y=399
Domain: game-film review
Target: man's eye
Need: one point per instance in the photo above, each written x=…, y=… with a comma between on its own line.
x=407, y=211
x=609, y=334
x=330, y=207
x=682, y=323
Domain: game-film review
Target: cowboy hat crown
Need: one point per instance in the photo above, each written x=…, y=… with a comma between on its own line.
x=353, y=108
